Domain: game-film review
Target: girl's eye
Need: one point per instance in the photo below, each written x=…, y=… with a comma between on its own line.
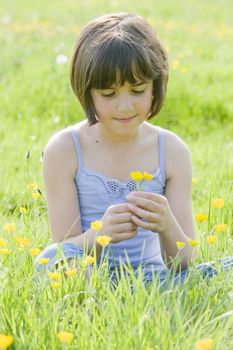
x=138, y=92
x=108, y=95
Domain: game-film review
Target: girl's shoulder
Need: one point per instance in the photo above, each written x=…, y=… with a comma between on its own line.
x=60, y=149
x=171, y=139
x=177, y=153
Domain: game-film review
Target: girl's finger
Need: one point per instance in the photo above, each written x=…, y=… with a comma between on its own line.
x=144, y=214
x=144, y=224
x=155, y=197
x=126, y=227
x=144, y=203
x=123, y=217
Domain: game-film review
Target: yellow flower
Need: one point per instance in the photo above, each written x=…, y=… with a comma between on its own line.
x=22, y=241
x=22, y=210
x=204, y=344
x=103, y=240
x=55, y=285
x=65, y=337
x=2, y=242
x=43, y=261
x=32, y=186
x=193, y=243
x=201, y=217
x=211, y=239
x=5, y=341
x=194, y=181
x=96, y=225
x=71, y=272
x=218, y=203
x=89, y=260
x=35, y=195
x=220, y=227
x=180, y=244
x=9, y=227
x=183, y=70
x=5, y=251
x=175, y=64
x=136, y=175
x=147, y=176
x=149, y=348
x=34, y=251
x=54, y=276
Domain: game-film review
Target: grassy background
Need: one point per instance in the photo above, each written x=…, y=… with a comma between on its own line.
x=36, y=101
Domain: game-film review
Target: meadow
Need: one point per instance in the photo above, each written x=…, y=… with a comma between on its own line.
x=36, y=101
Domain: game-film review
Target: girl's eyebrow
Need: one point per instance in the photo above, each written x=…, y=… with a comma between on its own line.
x=136, y=84
x=140, y=83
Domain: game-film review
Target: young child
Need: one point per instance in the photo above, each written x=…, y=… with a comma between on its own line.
x=119, y=73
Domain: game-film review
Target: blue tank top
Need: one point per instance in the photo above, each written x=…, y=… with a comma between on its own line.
x=96, y=192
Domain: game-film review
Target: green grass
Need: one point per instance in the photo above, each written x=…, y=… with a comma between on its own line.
x=34, y=90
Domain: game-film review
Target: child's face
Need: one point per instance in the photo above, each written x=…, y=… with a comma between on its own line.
x=123, y=107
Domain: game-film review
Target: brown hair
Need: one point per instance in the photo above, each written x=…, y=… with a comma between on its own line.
x=124, y=42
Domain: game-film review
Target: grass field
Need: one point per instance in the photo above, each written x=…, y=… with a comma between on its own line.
x=36, y=101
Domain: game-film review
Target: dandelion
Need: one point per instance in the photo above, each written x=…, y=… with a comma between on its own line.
x=34, y=251
x=61, y=59
x=55, y=285
x=204, y=344
x=218, y=203
x=22, y=210
x=96, y=225
x=9, y=227
x=147, y=176
x=2, y=242
x=193, y=243
x=103, y=240
x=32, y=186
x=5, y=341
x=43, y=261
x=194, y=180
x=35, y=195
x=201, y=217
x=220, y=227
x=89, y=260
x=5, y=251
x=70, y=273
x=180, y=244
x=211, y=239
x=22, y=241
x=65, y=337
x=54, y=276
x=136, y=175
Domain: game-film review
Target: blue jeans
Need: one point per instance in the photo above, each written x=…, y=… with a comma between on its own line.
x=165, y=277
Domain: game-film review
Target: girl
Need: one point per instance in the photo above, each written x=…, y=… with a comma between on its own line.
x=119, y=73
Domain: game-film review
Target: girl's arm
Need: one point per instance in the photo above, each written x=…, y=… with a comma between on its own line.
x=170, y=215
x=59, y=170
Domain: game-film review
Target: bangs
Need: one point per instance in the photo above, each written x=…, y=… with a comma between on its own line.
x=119, y=61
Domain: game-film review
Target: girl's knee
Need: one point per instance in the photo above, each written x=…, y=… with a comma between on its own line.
x=55, y=254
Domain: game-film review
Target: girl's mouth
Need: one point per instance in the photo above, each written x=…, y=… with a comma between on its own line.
x=125, y=120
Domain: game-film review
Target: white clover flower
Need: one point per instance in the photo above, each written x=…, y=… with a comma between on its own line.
x=61, y=59
x=56, y=119
x=6, y=19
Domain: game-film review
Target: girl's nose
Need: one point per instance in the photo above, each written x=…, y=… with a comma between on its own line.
x=125, y=105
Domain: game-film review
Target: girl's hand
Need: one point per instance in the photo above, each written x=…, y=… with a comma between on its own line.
x=117, y=223
x=150, y=211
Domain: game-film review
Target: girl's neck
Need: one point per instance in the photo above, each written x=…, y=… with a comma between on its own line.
x=110, y=138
